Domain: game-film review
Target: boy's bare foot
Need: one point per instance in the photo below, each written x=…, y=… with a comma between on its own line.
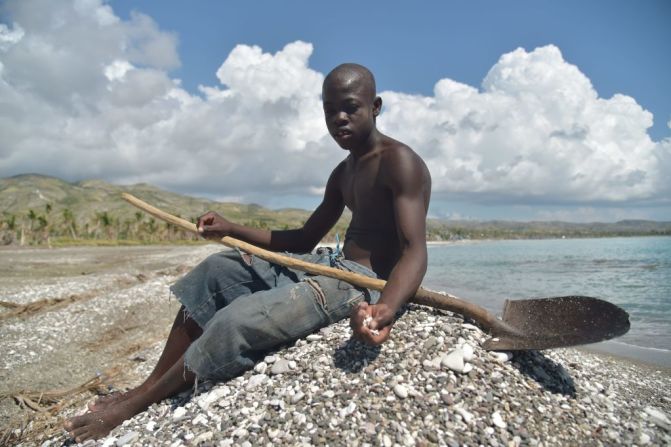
x=98, y=424
x=102, y=403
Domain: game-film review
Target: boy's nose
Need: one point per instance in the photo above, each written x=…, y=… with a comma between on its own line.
x=341, y=118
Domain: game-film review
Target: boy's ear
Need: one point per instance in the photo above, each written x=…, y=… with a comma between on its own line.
x=377, y=106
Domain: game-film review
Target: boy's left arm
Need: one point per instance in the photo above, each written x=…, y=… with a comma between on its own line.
x=410, y=185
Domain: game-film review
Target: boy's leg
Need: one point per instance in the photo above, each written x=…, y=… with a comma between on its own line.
x=184, y=331
x=242, y=332
x=231, y=342
x=218, y=280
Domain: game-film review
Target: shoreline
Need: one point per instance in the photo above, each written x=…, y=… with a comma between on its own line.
x=651, y=357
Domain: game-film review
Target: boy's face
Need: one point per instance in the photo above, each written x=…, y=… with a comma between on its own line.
x=350, y=109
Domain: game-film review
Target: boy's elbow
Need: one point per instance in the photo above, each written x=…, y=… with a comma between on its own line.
x=418, y=253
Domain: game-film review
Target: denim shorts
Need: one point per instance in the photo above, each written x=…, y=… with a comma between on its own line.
x=247, y=306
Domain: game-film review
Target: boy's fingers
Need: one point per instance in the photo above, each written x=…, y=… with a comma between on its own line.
x=380, y=337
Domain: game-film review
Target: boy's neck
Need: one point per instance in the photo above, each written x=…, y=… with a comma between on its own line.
x=367, y=146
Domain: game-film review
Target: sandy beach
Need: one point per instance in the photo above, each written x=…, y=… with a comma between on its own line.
x=78, y=322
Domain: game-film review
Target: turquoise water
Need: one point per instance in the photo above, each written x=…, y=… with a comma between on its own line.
x=634, y=273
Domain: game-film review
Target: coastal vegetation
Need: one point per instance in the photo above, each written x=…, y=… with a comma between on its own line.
x=46, y=211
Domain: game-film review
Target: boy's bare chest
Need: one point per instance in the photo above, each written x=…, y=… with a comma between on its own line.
x=363, y=190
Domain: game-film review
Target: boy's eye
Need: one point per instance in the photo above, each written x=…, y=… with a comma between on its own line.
x=351, y=108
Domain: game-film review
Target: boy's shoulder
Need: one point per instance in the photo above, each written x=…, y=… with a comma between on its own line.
x=399, y=156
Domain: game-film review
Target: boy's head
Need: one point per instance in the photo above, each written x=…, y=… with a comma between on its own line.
x=350, y=104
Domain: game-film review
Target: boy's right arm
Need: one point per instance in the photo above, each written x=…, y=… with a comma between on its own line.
x=302, y=240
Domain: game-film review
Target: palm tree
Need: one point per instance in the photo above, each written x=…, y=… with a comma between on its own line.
x=10, y=223
x=32, y=217
x=106, y=221
x=137, y=225
x=47, y=225
x=69, y=222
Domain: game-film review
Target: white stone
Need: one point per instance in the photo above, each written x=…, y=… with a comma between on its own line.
x=431, y=364
x=658, y=418
x=273, y=432
x=498, y=420
x=386, y=440
x=467, y=368
x=408, y=440
x=468, y=352
x=296, y=397
x=126, y=439
x=277, y=403
x=401, y=391
x=467, y=415
x=178, y=413
x=502, y=356
x=349, y=409
x=300, y=418
x=151, y=425
x=261, y=367
x=240, y=433
x=281, y=366
x=469, y=327
x=256, y=380
x=203, y=437
x=644, y=439
x=212, y=396
x=454, y=360
x=314, y=337
x=200, y=419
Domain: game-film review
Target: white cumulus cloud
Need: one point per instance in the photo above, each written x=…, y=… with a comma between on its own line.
x=86, y=94
x=536, y=130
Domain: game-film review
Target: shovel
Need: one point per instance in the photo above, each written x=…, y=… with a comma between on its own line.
x=538, y=323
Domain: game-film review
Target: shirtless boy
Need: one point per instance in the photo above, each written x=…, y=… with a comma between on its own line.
x=236, y=308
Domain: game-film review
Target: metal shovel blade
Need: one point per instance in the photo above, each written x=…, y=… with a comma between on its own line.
x=545, y=323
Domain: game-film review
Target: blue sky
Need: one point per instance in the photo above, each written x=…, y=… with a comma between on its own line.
x=526, y=110
x=622, y=46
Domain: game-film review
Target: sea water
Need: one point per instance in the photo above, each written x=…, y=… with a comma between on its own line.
x=634, y=273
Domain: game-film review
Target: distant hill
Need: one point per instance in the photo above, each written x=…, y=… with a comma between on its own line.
x=21, y=193
x=36, y=208
x=499, y=229
x=98, y=211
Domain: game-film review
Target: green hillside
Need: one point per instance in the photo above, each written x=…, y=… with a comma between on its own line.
x=43, y=206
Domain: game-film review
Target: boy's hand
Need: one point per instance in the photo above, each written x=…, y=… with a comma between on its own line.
x=371, y=323
x=213, y=226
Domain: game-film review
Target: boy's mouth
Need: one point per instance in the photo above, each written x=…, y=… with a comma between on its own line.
x=342, y=133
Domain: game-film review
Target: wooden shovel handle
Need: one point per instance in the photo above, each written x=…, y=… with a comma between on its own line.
x=422, y=296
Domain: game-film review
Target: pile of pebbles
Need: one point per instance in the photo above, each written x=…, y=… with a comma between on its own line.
x=430, y=384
